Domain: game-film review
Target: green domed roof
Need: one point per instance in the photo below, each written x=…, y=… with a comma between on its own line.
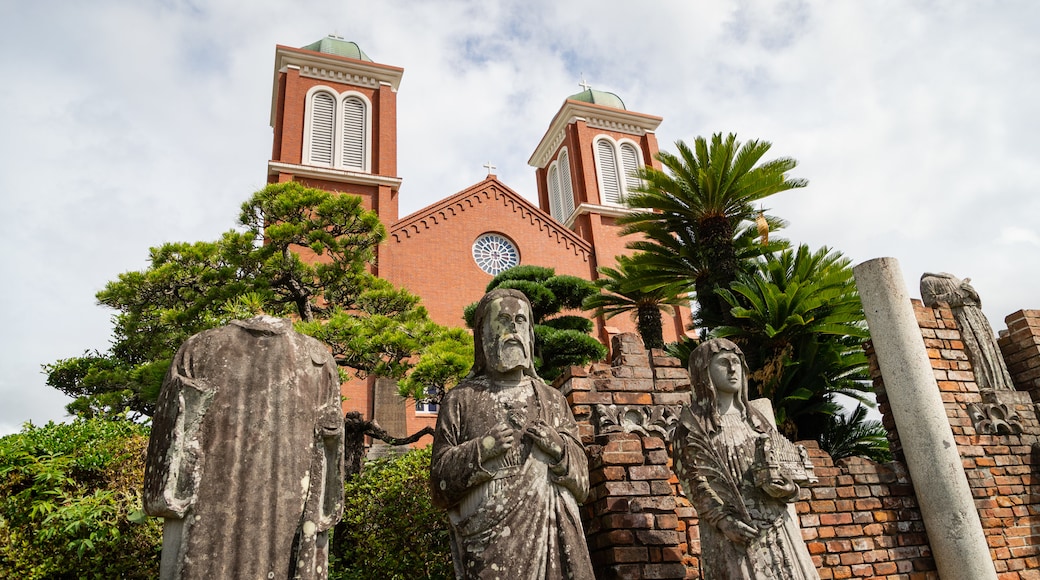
x=599, y=98
x=339, y=47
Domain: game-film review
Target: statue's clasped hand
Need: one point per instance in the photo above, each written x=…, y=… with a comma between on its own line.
x=547, y=439
x=497, y=441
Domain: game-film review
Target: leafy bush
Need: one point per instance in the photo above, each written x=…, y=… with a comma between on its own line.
x=395, y=532
x=67, y=492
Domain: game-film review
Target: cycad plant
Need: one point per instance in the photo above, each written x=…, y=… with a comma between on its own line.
x=800, y=322
x=853, y=435
x=624, y=291
x=694, y=215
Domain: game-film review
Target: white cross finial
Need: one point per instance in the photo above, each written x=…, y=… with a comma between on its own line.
x=584, y=85
x=491, y=168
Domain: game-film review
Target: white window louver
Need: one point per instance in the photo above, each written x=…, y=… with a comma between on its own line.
x=323, y=108
x=630, y=164
x=566, y=191
x=610, y=187
x=555, y=207
x=354, y=137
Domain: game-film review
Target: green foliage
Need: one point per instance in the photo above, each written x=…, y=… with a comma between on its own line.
x=69, y=500
x=311, y=267
x=560, y=340
x=443, y=361
x=852, y=435
x=692, y=215
x=626, y=292
x=395, y=531
x=795, y=313
x=800, y=323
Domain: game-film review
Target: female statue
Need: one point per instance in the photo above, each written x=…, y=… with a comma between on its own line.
x=740, y=474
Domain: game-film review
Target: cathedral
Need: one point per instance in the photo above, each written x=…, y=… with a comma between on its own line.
x=334, y=115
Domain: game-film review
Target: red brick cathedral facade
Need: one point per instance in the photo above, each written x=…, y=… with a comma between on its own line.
x=334, y=114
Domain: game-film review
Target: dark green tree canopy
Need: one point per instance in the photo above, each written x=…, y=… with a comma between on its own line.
x=301, y=253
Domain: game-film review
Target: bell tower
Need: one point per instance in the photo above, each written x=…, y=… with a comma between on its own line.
x=586, y=163
x=334, y=115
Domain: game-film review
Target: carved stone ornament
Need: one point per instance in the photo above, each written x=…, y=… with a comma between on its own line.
x=994, y=419
x=647, y=420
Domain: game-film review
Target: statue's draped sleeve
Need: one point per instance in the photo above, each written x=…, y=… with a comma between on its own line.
x=572, y=471
x=456, y=466
x=171, y=478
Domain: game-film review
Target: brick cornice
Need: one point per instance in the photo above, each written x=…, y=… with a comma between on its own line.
x=491, y=190
x=607, y=210
x=332, y=68
x=332, y=174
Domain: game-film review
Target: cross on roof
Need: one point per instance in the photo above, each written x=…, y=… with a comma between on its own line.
x=490, y=168
x=584, y=85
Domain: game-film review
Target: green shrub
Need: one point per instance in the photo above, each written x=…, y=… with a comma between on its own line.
x=67, y=492
x=393, y=530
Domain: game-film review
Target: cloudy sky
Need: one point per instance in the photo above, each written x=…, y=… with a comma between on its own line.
x=128, y=123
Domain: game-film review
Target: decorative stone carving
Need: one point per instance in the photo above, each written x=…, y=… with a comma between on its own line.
x=508, y=465
x=740, y=474
x=980, y=343
x=994, y=419
x=647, y=420
x=245, y=461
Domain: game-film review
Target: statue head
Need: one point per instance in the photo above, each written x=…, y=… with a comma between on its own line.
x=718, y=366
x=503, y=334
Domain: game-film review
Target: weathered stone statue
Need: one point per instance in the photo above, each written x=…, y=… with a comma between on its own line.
x=245, y=460
x=740, y=474
x=507, y=462
x=979, y=341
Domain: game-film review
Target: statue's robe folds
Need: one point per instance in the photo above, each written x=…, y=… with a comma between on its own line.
x=245, y=460
x=716, y=483
x=516, y=516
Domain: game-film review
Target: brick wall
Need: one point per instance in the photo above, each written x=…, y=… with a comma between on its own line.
x=860, y=521
x=1021, y=348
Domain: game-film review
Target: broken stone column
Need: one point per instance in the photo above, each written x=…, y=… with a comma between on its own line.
x=951, y=519
x=245, y=461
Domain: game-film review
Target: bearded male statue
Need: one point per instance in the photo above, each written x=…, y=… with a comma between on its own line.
x=507, y=462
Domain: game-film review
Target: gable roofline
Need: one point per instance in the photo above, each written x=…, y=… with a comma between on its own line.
x=490, y=190
x=596, y=116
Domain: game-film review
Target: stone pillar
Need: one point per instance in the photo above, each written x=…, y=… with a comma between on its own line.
x=957, y=538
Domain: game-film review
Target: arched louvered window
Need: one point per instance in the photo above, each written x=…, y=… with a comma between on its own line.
x=322, y=128
x=336, y=130
x=555, y=207
x=609, y=178
x=355, y=138
x=566, y=190
x=630, y=167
